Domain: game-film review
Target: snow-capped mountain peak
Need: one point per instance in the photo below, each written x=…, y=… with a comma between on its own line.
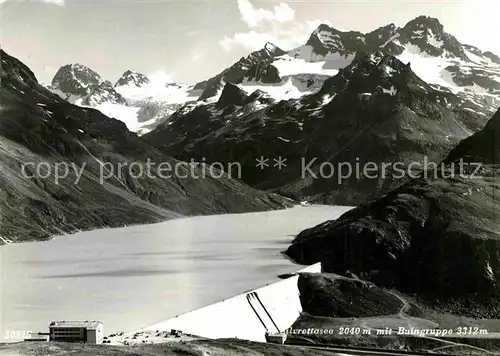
x=273, y=50
x=425, y=22
x=492, y=56
x=132, y=78
x=374, y=74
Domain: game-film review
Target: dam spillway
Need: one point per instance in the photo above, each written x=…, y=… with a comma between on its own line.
x=248, y=315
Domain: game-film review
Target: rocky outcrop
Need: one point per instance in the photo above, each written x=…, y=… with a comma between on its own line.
x=470, y=76
x=132, y=78
x=375, y=110
x=260, y=97
x=103, y=93
x=492, y=56
x=326, y=39
x=427, y=34
x=238, y=71
x=232, y=95
x=212, y=88
x=266, y=74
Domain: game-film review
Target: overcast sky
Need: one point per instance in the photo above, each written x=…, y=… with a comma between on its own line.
x=188, y=41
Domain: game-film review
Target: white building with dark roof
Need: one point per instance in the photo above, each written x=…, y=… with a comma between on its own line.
x=77, y=331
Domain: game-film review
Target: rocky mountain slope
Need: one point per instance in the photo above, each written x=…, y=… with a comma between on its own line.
x=223, y=347
x=374, y=110
x=107, y=182
x=436, y=236
x=143, y=104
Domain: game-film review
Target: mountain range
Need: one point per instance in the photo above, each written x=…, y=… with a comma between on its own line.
x=40, y=133
x=391, y=95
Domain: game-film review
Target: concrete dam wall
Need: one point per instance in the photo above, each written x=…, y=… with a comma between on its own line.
x=273, y=308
